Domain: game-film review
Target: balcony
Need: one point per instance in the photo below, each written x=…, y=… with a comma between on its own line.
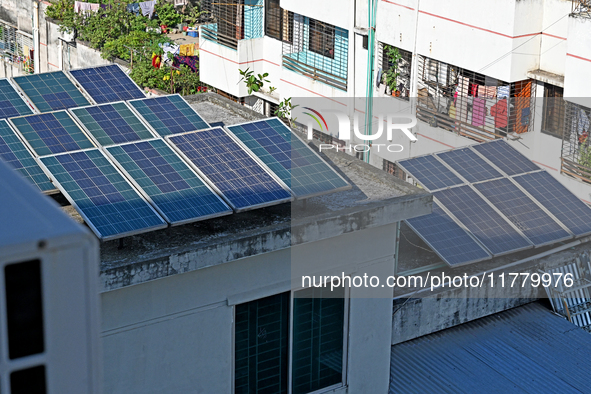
x=576, y=150
x=232, y=22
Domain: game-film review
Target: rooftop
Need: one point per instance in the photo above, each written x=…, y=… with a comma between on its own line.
x=375, y=199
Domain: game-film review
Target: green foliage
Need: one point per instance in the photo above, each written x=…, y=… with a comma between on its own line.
x=284, y=110
x=139, y=41
x=272, y=89
x=391, y=76
x=253, y=83
x=194, y=14
x=167, y=15
x=585, y=154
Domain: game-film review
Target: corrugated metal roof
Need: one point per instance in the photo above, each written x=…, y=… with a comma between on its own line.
x=526, y=349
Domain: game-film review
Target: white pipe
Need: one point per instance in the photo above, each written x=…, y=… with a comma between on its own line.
x=36, y=36
x=414, y=80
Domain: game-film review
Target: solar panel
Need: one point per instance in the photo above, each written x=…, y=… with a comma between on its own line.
x=430, y=172
x=482, y=220
x=294, y=162
x=557, y=199
x=173, y=188
x=107, y=84
x=51, y=133
x=169, y=114
x=14, y=152
x=447, y=238
x=111, y=124
x=102, y=196
x=540, y=228
x=508, y=159
x=230, y=169
x=469, y=165
x=51, y=91
x=11, y=103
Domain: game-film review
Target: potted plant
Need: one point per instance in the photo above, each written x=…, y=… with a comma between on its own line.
x=391, y=76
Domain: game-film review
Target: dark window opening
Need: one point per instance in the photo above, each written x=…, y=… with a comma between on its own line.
x=24, y=308
x=321, y=38
x=365, y=42
x=28, y=381
x=393, y=169
x=278, y=22
x=553, y=113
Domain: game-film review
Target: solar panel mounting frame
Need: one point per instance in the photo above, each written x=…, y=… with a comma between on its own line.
x=33, y=155
x=28, y=99
x=212, y=184
x=80, y=87
x=22, y=95
x=51, y=112
x=461, y=225
x=304, y=197
x=145, y=195
x=168, y=95
x=83, y=215
x=92, y=137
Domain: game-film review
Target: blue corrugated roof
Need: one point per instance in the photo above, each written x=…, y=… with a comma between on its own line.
x=526, y=349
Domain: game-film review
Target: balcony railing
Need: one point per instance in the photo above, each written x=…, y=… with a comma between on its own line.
x=576, y=149
x=315, y=73
x=581, y=7
x=232, y=22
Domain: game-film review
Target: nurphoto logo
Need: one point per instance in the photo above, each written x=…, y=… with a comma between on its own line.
x=345, y=130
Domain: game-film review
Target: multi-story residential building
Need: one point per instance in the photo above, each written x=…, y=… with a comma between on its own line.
x=505, y=69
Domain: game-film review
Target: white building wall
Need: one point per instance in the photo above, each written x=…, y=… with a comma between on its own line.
x=335, y=12
x=553, y=49
x=174, y=335
x=577, y=83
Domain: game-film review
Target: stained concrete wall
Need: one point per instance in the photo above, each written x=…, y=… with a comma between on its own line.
x=175, y=335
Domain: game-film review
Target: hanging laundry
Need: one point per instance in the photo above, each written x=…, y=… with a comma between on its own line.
x=474, y=89
x=190, y=61
x=173, y=49
x=487, y=91
x=134, y=8
x=478, y=112
x=463, y=86
x=580, y=122
x=187, y=50
x=503, y=92
x=156, y=60
x=148, y=8
x=499, y=111
x=525, y=116
x=452, y=111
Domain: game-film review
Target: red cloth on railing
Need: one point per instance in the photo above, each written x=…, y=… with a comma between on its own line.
x=499, y=111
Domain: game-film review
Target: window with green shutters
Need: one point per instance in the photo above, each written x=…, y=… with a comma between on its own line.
x=263, y=348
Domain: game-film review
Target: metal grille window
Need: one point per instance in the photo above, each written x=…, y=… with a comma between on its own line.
x=582, y=8
x=393, y=169
x=576, y=152
x=404, y=68
x=7, y=41
x=472, y=104
x=319, y=51
x=263, y=347
x=233, y=21
x=553, y=115
x=278, y=22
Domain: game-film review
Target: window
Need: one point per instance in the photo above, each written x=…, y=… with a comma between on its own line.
x=321, y=38
x=404, y=69
x=306, y=327
x=278, y=22
x=576, y=147
x=553, y=113
x=393, y=169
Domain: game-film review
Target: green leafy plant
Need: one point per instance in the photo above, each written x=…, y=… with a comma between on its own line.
x=253, y=83
x=272, y=89
x=194, y=15
x=167, y=15
x=391, y=75
x=284, y=111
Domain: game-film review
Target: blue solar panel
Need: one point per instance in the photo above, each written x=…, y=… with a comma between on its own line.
x=469, y=165
x=447, y=238
x=51, y=91
x=169, y=114
x=174, y=189
x=14, y=152
x=52, y=133
x=508, y=159
x=430, y=172
x=236, y=175
x=106, y=201
x=11, y=103
x=112, y=124
x=557, y=199
x=298, y=166
x=107, y=84
x=482, y=220
x=528, y=217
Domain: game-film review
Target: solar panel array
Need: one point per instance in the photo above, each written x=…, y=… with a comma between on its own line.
x=107, y=84
x=290, y=159
x=51, y=91
x=176, y=191
x=242, y=182
x=111, y=161
x=169, y=115
x=111, y=124
x=15, y=153
x=506, y=203
x=11, y=103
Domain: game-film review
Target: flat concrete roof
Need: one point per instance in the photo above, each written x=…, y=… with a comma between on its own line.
x=375, y=199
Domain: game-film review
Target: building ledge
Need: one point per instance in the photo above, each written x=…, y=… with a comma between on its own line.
x=547, y=77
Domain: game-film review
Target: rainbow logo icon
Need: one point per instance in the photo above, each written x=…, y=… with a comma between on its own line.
x=316, y=118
